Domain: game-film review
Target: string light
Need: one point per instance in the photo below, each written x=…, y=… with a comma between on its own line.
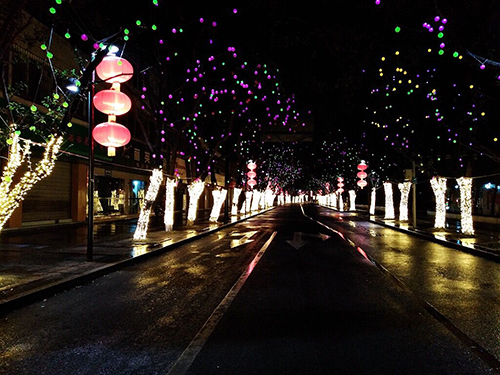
x=466, y=223
x=340, y=202
x=11, y=198
x=236, y=197
x=352, y=200
x=143, y=222
x=194, y=189
x=439, y=187
x=255, y=200
x=389, y=202
x=219, y=197
x=372, y=201
x=168, y=217
x=248, y=200
x=404, y=188
x=269, y=198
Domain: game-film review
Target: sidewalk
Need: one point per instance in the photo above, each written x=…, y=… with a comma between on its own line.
x=36, y=263
x=484, y=242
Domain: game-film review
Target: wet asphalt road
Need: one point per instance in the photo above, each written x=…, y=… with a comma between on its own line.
x=463, y=287
x=312, y=305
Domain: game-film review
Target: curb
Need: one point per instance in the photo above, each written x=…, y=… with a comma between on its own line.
x=56, y=287
x=476, y=250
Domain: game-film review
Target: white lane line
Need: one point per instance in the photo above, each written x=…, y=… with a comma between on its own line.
x=188, y=356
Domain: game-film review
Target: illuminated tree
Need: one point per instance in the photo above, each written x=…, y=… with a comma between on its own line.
x=389, y=201
x=404, y=188
x=40, y=124
x=439, y=187
x=465, y=184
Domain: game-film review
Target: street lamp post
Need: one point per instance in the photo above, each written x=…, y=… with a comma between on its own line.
x=90, y=215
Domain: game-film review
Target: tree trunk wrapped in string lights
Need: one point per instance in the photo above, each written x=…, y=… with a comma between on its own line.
x=154, y=186
x=439, y=187
x=168, y=217
x=236, y=197
x=352, y=200
x=248, y=201
x=373, y=201
x=389, y=201
x=269, y=198
x=340, y=202
x=219, y=197
x=404, y=188
x=465, y=184
x=334, y=200
x=11, y=197
x=194, y=190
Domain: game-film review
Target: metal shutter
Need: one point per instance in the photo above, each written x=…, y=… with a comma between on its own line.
x=50, y=198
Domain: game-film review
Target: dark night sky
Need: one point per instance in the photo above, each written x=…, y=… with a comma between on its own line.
x=322, y=47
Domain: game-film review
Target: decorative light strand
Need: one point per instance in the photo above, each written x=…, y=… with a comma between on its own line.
x=439, y=187
x=194, y=190
x=143, y=222
x=11, y=198
x=247, y=204
x=236, y=197
x=372, y=201
x=352, y=200
x=404, y=188
x=340, y=201
x=255, y=200
x=269, y=198
x=465, y=184
x=389, y=201
x=168, y=217
x=219, y=197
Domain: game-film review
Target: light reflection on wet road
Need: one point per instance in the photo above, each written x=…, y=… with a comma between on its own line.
x=463, y=287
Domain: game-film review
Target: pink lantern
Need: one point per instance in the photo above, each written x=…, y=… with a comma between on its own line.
x=362, y=183
x=362, y=166
x=112, y=102
x=362, y=175
x=114, y=69
x=111, y=135
x=251, y=165
x=251, y=174
x=252, y=183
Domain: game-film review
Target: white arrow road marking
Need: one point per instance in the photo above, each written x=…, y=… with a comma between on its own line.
x=297, y=242
x=243, y=240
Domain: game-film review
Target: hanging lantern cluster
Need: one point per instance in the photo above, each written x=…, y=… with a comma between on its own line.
x=362, y=174
x=251, y=166
x=113, y=102
x=340, y=185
